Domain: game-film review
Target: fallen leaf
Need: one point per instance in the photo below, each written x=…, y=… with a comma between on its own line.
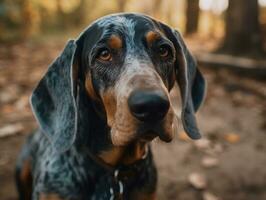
x=232, y=138
x=203, y=143
x=209, y=196
x=5, y=97
x=183, y=136
x=22, y=103
x=9, y=94
x=6, y=109
x=197, y=180
x=209, y=162
x=10, y=129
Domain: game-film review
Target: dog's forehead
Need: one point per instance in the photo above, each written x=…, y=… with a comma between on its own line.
x=126, y=23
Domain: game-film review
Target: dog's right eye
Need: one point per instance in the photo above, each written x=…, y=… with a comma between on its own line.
x=164, y=51
x=104, y=55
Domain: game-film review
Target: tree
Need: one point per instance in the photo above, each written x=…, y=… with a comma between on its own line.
x=242, y=29
x=121, y=5
x=192, y=16
x=156, y=4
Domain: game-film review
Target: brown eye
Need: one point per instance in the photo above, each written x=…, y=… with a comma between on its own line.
x=164, y=51
x=104, y=55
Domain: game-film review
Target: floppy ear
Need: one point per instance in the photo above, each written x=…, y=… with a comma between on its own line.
x=54, y=100
x=192, y=88
x=190, y=81
x=198, y=90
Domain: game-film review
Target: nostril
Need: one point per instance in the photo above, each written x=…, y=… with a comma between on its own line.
x=148, y=105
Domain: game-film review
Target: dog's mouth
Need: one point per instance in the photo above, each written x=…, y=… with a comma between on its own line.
x=148, y=132
x=127, y=127
x=143, y=132
x=147, y=137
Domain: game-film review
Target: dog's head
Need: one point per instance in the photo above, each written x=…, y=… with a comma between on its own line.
x=127, y=65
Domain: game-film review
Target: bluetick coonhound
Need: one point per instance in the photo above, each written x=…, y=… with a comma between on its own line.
x=100, y=104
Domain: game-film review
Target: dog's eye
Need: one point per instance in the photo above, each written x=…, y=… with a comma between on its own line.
x=164, y=51
x=104, y=55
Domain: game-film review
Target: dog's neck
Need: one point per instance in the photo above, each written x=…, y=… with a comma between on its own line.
x=124, y=155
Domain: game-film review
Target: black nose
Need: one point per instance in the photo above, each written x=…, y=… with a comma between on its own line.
x=148, y=106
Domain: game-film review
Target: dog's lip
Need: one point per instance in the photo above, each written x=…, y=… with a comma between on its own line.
x=165, y=138
x=148, y=137
x=151, y=134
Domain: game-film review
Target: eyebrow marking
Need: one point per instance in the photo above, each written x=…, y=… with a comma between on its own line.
x=115, y=42
x=151, y=36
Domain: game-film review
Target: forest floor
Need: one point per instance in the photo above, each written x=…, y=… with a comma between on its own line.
x=228, y=163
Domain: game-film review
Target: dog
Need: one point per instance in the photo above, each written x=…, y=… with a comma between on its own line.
x=100, y=104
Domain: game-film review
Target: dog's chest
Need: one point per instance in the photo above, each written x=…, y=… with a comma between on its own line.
x=75, y=174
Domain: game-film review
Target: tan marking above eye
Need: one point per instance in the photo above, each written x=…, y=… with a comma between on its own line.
x=115, y=42
x=151, y=36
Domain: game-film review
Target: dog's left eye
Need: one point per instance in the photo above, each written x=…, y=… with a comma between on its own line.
x=164, y=51
x=104, y=55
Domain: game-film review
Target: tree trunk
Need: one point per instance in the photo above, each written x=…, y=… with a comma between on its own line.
x=192, y=16
x=242, y=29
x=121, y=5
x=156, y=4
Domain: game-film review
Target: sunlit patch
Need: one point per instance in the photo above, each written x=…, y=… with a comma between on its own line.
x=262, y=3
x=215, y=6
x=69, y=5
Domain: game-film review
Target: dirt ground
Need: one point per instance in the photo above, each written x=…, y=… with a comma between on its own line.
x=229, y=163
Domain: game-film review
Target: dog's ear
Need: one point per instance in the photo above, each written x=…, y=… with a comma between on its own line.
x=54, y=100
x=190, y=81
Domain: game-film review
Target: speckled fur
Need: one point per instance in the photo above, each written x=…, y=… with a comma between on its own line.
x=59, y=163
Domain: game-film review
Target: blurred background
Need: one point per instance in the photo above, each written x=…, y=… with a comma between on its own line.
x=228, y=38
